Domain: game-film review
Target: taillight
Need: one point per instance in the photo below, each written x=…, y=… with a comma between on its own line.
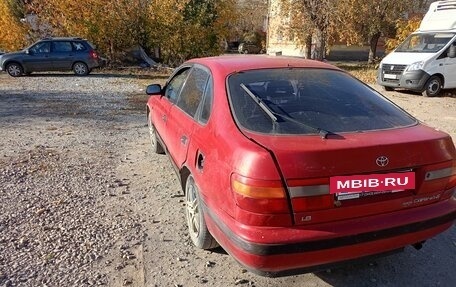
x=439, y=177
x=310, y=194
x=93, y=54
x=259, y=196
x=447, y=175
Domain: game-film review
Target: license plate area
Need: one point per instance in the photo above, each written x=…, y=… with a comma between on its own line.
x=390, y=76
x=356, y=195
x=358, y=186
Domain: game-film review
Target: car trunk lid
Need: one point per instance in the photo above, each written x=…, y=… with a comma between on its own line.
x=418, y=154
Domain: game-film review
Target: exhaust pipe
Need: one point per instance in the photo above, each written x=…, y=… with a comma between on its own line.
x=418, y=245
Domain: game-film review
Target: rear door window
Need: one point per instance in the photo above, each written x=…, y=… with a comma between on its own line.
x=61, y=46
x=193, y=90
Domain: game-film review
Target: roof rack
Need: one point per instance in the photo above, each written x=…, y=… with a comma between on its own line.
x=66, y=38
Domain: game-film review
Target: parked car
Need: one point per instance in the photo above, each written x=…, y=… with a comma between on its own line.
x=426, y=61
x=249, y=48
x=292, y=165
x=52, y=54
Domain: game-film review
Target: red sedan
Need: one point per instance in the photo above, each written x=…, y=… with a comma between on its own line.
x=292, y=165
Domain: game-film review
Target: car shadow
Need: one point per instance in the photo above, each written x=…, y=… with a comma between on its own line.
x=450, y=93
x=429, y=267
x=146, y=76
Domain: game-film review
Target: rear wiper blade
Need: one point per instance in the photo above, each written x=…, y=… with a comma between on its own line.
x=322, y=132
x=273, y=115
x=260, y=103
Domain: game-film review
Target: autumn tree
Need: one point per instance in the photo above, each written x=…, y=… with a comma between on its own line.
x=404, y=27
x=308, y=20
x=191, y=28
x=12, y=31
x=358, y=21
x=249, y=21
x=114, y=25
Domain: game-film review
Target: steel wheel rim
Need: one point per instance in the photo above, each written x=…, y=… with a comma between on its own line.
x=434, y=86
x=192, y=210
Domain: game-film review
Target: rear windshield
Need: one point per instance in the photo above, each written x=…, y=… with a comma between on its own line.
x=309, y=101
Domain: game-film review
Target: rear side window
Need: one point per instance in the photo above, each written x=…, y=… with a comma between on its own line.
x=308, y=101
x=193, y=90
x=79, y=46
x=207, y=103
x=61, y=46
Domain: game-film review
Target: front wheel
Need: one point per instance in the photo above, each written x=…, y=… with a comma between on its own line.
x=14, y=69
x=154, y=143
x=388, y=89
x=433, y=87
x=199, y=234
x=80, y=69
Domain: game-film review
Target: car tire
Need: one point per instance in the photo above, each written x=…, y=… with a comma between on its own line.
x=433, y=87
x=197, y=228
x=388, y=89
x=80, y=69
x=246, y=52
x=154, y=143
x=14, y=69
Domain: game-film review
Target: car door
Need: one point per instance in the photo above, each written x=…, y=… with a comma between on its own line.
x=181, y=121
x=62, y=55
x=161, y=106
x=450, y=71
x=38, y=57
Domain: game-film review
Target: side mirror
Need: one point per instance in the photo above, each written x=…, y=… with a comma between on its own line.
x=452, y=51
x=154, y=89
x=27, y=51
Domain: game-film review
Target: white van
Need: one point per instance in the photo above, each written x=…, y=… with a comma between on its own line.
x=426, y=61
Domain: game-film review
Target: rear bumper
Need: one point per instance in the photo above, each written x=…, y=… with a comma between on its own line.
x=93, y=63
x=284, y=251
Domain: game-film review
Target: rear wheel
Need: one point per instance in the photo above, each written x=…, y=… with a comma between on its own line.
x=197, y=228
x=80, y=69
x=14, y=69
x=154, y=143
x=433, y=87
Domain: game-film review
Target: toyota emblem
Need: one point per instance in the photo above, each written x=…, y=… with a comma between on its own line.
x=382, y=161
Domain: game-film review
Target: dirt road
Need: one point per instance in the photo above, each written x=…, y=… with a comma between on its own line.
x=85, y=203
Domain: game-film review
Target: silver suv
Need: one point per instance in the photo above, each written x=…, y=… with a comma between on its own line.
x=52, y=54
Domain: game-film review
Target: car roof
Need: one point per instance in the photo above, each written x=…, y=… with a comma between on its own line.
x=233, y=63
x=63, y=39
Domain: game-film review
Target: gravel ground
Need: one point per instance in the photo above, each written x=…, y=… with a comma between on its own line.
x=85, y=203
